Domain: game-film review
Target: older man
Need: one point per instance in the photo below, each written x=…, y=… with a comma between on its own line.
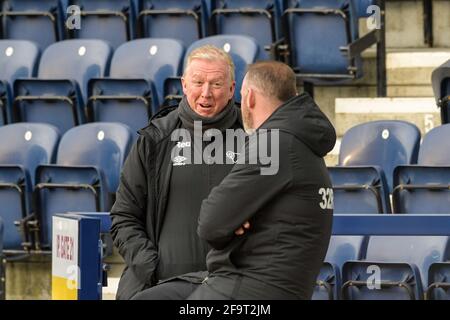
x=154, y=218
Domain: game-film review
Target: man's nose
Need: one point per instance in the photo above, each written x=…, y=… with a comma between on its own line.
x=206, y=90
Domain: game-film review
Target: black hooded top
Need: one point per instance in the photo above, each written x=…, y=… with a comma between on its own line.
x=290, y=212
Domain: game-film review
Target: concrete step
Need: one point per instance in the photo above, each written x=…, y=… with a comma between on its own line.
x=423, y=112
x=404, y=24
x=29, y=279
x=408, y=75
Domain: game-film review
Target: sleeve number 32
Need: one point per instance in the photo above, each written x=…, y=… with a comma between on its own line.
x=327, y=198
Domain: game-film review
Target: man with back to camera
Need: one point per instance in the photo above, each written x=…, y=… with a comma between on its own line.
x=154, y=218
x=269, y=230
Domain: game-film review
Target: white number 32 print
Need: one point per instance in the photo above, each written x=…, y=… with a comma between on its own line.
x=327, y=198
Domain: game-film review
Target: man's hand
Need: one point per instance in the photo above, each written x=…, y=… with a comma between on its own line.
x=241, y=230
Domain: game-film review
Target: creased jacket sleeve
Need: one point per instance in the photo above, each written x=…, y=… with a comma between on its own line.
x=239, y=197
x=129, y=216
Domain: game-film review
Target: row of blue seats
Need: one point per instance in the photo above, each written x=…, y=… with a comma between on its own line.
x=385, y=268
x=283, y=29
x=70, y=85
x=28, y=148
x=43, y=172
x=382, y=158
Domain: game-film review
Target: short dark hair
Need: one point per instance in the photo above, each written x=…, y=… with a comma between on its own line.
x=273, y=79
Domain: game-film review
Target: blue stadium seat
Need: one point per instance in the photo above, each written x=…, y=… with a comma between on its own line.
x=254, y=18
x=403, y=262
x=440, y=80
x=58, y=96
x=85, y=176
x=421, y=189
x=323, y=41
x=242, y=49
x=340, y=250
x=359, y=189
x=425, y=188
x=109, y=20
x=18, y=59
x=386, y=144
x=39, y=21
x=184, y=20
x=434, y=148
x=439, y=281
x=134, y=90
x=24, y=147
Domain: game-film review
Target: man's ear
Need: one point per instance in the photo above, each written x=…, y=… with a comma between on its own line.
x=232, y=89
x=251, y=98
x=183, y=84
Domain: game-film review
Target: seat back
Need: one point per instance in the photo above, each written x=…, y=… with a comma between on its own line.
x=112, y=21
x=422, y=189
x=101, y=145
x=242, y=49
x=86, y=175
x=335, y=23
x=257, y=19
x=78, y=60
x=18, y=59
x=359, y=189
x=24, y=147
x=28, y=145
x=340, y=250
x=420, y=251
x=386, y=144
x=149, y=59
x=184, y=20
x=439, y=281
x=38, y=21
x=435, y=148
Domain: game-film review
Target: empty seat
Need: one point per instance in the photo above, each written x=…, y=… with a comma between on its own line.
x=254, y=18
x=440, y=79
x=109, y=20
x=242, y=49
x=425, y=188
x=434, y=150
x=39, y=21
x=398, y=265
x=58, y=96
x=324, y=44
x=359, y=189
x=18, y=59
x=24, y=146
x=421, y=189
x=386, y=144
x=85, y=176
x=340, y=250
x=184, y=20
x=134, y=90
x=439, y=281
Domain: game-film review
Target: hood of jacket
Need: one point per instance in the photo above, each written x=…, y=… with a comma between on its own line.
x=301, y=117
